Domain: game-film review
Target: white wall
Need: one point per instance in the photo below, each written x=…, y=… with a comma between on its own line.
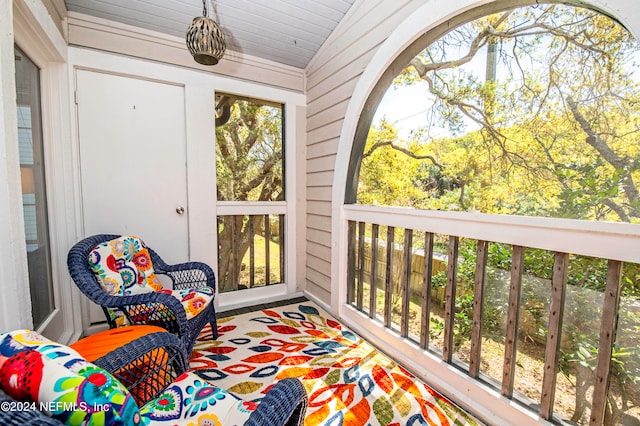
x=13, y=261
x=28, y=23
x=44, y=39
x=110, y=36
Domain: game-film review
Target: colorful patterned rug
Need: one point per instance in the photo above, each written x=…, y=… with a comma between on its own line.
x=348, y=381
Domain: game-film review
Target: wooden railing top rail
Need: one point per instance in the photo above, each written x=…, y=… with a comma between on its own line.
x=608, y=240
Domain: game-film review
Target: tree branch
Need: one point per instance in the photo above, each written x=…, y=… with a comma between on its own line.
x=623, y=165
x=402, y=150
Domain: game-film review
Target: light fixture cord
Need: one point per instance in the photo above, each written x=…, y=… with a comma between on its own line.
x=205, y=13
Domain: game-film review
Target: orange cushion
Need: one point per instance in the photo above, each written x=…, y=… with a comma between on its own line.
x=103, y=342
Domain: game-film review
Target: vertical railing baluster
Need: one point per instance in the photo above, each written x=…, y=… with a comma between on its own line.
x=357, y=275
x=234, y=253
x=554, y=333
x=360, y=291
x=351, y=261
x=482, y=252
x=374, y=270
x=450, y=300
x=252, y=255
x=406, y=282
x=281, y=240
x=608, y=329
x=267, y=251
x=388, y=279
x=426, y=290
x=510, y=350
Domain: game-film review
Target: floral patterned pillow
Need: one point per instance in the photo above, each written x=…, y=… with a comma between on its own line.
x=194, y=300
x=55, y=379
x=123, y=267
x=193, y=401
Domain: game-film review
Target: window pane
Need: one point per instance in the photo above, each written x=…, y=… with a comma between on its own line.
x=250, y=251
x=34, y=198
x=249, y=149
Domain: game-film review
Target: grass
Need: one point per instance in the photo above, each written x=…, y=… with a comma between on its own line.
x=260, y=258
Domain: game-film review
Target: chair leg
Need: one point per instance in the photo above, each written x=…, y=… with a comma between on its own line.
x=214, y=328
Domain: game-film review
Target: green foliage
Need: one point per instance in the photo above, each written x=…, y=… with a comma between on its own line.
x=463, y=319
x=556, y=133
x=387, y=175
x=249, y=163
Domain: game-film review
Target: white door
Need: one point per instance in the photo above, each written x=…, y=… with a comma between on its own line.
x=132, y=142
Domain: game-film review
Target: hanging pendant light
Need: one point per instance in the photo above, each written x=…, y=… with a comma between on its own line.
x=205, y=39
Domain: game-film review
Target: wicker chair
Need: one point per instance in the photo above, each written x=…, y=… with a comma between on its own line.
x=149, y=368
x=284, y=405
x=145, y=372
x=146, y=365
x=151, y=308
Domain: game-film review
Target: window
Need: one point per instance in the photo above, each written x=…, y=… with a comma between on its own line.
x=531, y=111
x=34, y=197
x=250, y=176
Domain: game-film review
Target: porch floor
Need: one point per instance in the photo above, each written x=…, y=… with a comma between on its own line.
x=348, y=380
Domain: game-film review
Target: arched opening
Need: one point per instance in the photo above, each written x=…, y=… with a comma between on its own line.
x=560, y=142
x=526, y=111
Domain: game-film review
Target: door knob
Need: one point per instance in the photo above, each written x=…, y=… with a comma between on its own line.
x=180, y=210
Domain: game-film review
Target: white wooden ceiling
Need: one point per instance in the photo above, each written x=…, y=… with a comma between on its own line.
x=285, y=31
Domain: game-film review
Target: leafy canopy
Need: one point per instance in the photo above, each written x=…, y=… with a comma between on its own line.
x=530, y=111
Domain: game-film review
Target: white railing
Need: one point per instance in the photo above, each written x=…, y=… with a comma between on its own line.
x=540, y=317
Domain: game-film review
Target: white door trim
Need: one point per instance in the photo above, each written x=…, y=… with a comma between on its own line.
x=38, y=36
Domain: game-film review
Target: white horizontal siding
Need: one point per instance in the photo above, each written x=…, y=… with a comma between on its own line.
x=317, y=263
x=332, y=87
x=317, y=285
x=319, y=279
x=329, y=115
x=332, y=95
x=318, y=193
x=319, y=207
x=331, y=80
x=321, y=164
x=319, y=236
x=320, y=178
x=320, y=251
x=319, y=222
x=322, y=148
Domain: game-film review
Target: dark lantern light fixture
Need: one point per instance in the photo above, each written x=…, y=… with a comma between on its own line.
x=205, y=39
